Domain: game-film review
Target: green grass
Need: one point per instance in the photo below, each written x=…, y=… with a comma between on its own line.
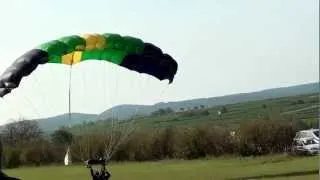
x=272, y=167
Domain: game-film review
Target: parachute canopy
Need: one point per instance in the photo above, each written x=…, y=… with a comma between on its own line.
x=126, y=51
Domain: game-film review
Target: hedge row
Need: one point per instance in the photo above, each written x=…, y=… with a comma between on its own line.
x=251, y=138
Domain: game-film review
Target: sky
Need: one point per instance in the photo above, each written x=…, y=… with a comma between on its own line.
x=222, y=47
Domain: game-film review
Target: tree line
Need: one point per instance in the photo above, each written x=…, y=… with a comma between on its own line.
x=25, y=144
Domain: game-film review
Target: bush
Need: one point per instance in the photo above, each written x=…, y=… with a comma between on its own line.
x=11, y=158
x=135, y=148
x=163, y=143
x=88, y=146
x=266, y=136
x=191, y=113
x=203, y=141
x=61, y=136
x=251, y=138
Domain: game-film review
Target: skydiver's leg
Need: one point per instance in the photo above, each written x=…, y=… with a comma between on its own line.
x=107, y=175
x=91, y=171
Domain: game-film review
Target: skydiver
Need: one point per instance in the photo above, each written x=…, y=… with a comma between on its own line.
x=102, y=173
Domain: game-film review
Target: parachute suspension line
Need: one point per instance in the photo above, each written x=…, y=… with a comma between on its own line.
x=124, y=132
x=130, y=128
x=52, y=106
x=31, y=104
x=67, y=158
x=36, y=83
x=104, y=100
x=107, y=139
x=157, y=99
x=69, y=95
x=27, y=102
x=44, y=102
x=85, y=153
x=111, y=133
x=137, y=109
x=84, y=146
x=8, y=105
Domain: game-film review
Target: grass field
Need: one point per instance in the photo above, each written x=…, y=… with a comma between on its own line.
x=272, y=167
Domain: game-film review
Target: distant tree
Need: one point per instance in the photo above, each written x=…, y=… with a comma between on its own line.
x=293, y=103
x=181, y=109
x=264, y=106
x=205, y=112
x=157, y=112
x=61, y=136
x=21, y=131
x=202, y=106
x=224, y=110
x=300, y=101
x=162, y=111
x=136, y=116
x=196, y=107
x=169, y=110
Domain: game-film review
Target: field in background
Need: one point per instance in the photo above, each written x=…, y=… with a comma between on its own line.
x=304, y=108
x=268, y=167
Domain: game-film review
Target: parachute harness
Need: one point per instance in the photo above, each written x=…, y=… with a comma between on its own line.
x=100, y=173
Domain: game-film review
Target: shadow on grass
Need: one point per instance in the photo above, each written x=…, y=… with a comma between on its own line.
x=289, y=174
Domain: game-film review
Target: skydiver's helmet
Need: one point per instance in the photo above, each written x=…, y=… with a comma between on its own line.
x=100, y=161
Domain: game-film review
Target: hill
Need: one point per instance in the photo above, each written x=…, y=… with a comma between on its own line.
x=304, y=109
x=52, y=123
x=126, y=111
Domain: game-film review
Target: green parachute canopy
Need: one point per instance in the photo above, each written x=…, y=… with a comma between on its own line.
x=126, y=51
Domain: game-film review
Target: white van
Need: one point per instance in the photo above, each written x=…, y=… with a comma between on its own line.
x=306, y=142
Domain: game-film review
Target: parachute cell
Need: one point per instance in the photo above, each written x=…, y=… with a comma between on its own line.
x=126, y=51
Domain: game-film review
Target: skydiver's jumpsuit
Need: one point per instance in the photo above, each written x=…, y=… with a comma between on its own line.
x=104, y=175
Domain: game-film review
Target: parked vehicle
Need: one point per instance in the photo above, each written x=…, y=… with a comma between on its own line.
x=306, y=142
